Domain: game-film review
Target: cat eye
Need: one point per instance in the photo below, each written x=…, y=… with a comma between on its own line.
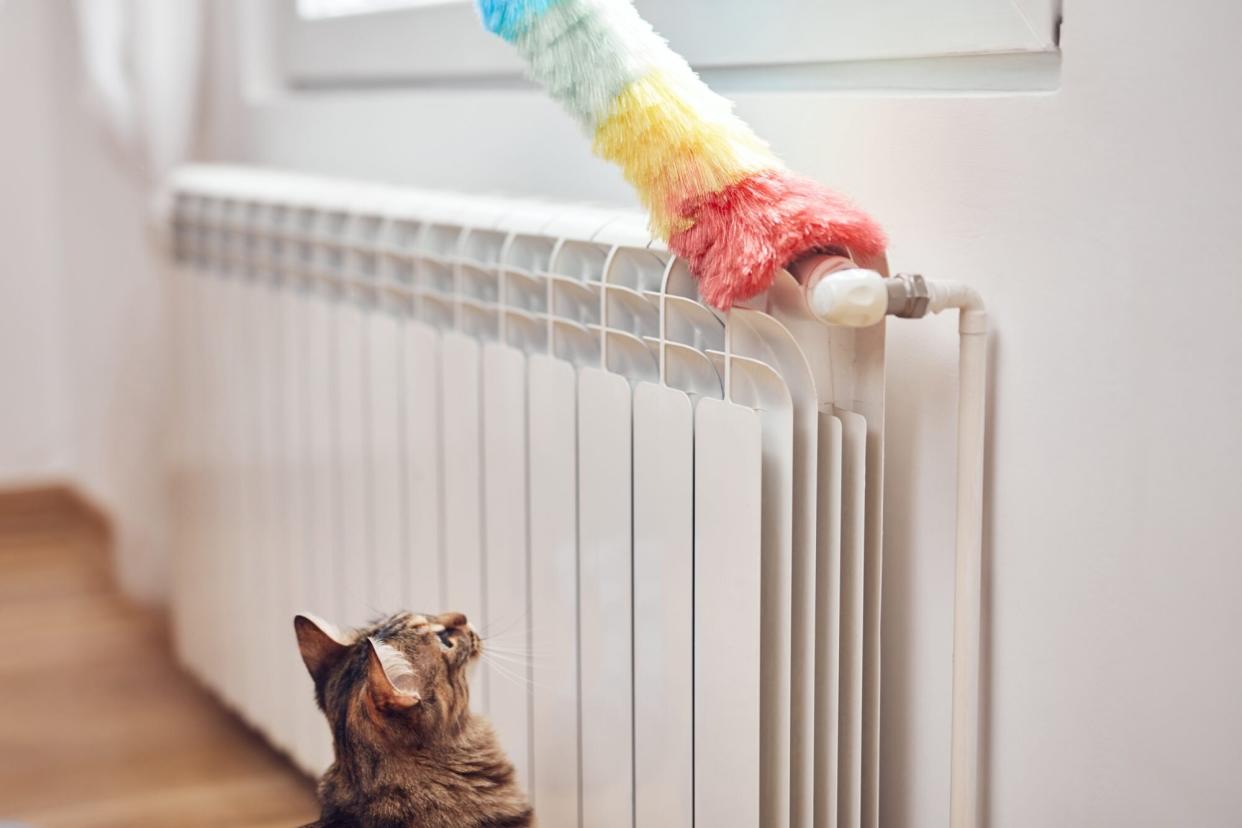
x=446, y=639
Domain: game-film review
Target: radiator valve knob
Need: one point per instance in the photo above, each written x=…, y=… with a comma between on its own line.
x=854, y=297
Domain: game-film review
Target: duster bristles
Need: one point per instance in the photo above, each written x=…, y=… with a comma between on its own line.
x=670, y=154
x=739, y=237
x=715, y=191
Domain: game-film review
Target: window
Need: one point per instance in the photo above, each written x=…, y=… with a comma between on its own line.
x=319, y=9
x=339, y=42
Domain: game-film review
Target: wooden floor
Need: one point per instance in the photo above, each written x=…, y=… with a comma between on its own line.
x=98, y=726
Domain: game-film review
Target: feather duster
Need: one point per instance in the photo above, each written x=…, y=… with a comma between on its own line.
x=715, y=191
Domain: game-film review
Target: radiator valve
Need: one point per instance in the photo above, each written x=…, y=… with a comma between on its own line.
x=840, y=292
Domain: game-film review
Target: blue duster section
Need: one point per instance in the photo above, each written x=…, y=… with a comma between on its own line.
x=509, y=18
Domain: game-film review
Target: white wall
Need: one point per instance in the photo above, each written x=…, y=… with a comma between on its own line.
x=33, y=427
x=112, y=319
x=1100, y=222
x=82, y=343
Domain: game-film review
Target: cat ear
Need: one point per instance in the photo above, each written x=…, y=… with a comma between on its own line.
x=390, y=678
x=321, y=644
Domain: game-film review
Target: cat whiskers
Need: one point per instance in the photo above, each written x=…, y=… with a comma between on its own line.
x=504, y=671
x=520, y=648
x=514, y=657
x=494, y=647
x=506, y=629
x=520, y=665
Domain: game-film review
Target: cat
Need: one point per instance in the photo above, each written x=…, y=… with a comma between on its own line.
x=409, y=752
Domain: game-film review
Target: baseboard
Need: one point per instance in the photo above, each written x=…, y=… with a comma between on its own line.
x=39, y=503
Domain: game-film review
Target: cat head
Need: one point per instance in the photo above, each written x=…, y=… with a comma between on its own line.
x=401, y=679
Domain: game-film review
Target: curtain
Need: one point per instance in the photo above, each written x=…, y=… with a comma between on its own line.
x=142, y=60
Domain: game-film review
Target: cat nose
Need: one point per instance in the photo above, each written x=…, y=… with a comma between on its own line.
x=454, y=620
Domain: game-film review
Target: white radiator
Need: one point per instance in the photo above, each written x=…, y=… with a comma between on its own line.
x=667, y=519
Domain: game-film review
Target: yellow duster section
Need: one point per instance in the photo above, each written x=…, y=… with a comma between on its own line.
x=672, y=149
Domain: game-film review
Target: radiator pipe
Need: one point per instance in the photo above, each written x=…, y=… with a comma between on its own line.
x=841, y=293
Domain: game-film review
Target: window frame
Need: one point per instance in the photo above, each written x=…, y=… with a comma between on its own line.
x=444, y=44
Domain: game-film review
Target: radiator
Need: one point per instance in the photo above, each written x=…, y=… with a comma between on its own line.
x=667, y=520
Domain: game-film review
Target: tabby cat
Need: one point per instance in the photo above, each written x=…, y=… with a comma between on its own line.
x=408, y=750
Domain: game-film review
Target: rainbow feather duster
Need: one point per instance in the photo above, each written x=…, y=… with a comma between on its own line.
x=715, y=191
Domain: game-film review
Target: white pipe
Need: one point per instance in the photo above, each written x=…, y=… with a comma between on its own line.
x=840, y=293
x=964, y=798
x=943, y=295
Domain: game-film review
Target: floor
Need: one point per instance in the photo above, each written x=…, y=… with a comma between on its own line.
x=98, y=726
